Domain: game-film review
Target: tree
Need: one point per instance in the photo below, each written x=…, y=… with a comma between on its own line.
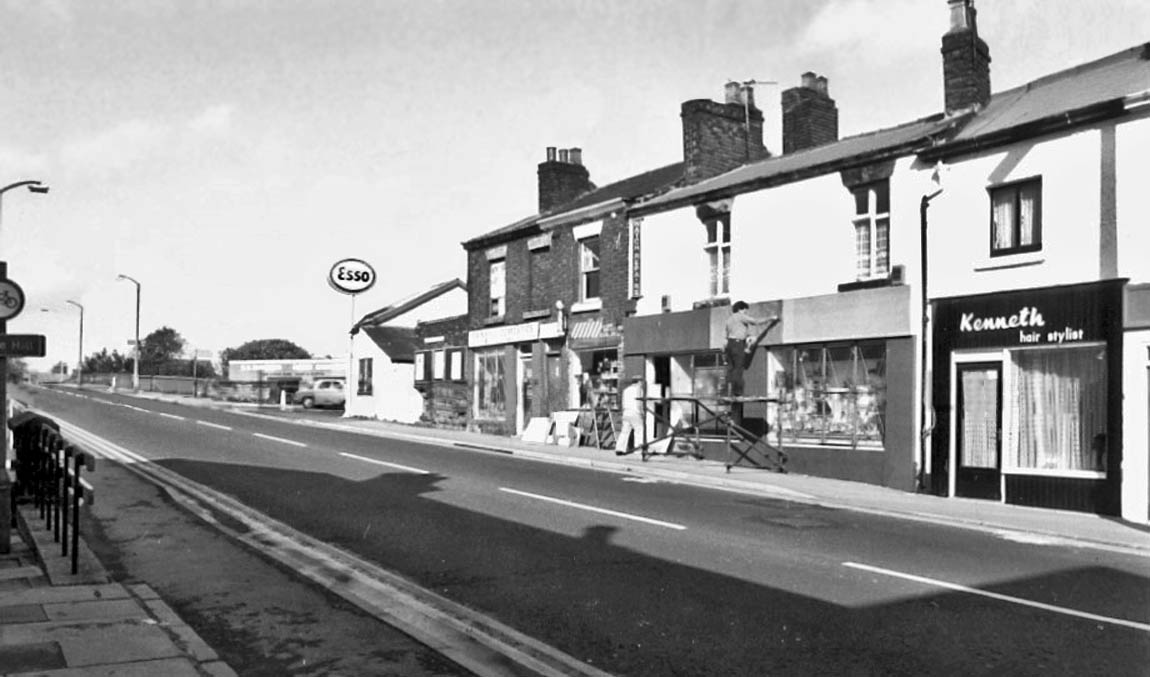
x=264, y=349
x=103, y=363
x=17, y=370
x=160, y=352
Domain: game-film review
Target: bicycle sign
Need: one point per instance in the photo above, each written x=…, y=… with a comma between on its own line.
x=11, y=299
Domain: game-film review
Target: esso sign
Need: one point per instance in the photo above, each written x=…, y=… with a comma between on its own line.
x=351, y=276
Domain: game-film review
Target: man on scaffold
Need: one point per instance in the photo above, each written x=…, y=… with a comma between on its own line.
x=740, y=351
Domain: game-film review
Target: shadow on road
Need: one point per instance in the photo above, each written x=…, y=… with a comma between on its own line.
x=634, y=614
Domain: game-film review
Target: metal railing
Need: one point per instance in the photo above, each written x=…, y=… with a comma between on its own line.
x=48, y=470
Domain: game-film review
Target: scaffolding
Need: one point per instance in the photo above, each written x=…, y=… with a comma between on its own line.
x=710, y=414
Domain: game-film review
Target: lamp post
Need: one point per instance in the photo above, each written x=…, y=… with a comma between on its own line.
x=136, y=360
x=80, y=364
x=5, y=480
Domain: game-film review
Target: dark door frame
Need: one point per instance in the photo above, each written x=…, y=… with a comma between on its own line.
x=977, y=482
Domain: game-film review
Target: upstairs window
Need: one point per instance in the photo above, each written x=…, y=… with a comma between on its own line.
x=718, y=250
x=1016, y=218
x=498, y=290
x=872, y=230
x=589, y=268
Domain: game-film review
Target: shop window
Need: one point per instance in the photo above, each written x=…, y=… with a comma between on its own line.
x=489, y=379
x=718, y=250
x=1058, y=412
x=420, y=367
x=1016, y=218
x=439, y=365
x=589, y=268
x=497, y=276
x=702, y=376
x=455, y=364
x=872, y=230
x=831, y=395
x=364, y=381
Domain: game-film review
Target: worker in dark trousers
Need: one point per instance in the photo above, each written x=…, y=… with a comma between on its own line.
x=742, y=337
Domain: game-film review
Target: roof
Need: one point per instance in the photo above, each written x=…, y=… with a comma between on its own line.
x=629, y=188
x=852, y=150
x=388, y=313
x=398, y=343
x=1059, y=97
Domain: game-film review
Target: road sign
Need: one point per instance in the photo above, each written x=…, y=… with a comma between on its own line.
x=11, y=299
x=351, y=276
x=22, y=345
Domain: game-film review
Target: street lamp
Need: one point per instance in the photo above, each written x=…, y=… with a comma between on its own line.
x=80, y=365
x=136, y=361
x=33, y=186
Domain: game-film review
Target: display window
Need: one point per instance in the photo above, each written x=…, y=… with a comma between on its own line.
x=832, y=395
x=489, y=383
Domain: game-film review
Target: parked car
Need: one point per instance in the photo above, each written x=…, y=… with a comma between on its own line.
x=325, y=392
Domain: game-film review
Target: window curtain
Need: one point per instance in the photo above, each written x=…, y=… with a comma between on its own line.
x=1060, y=421
x=1027, y=207
x=1003, y=214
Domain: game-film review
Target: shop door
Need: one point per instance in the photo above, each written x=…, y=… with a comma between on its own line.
x=557, y=397
x=979, y=427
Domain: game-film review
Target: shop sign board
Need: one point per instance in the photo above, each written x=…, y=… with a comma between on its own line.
x=512, y=333
x=1051, y=316
x=22, y=345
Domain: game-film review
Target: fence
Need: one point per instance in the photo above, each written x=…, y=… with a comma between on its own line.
x=172, y=385
x=47, y=470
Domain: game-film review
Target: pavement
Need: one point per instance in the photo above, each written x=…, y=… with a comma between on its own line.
x=54, y=623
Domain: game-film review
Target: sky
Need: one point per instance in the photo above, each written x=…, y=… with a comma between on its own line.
x=227, y=153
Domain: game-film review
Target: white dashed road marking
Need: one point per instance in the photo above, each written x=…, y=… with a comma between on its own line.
x=279, y=439
x=390, y=465
x=178, y=418
x=591, y=508
x=1144, y=627
x=214, y=425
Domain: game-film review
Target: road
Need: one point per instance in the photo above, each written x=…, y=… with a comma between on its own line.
x=648, y=578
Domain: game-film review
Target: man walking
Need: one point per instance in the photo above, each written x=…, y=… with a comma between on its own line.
x=740, y=351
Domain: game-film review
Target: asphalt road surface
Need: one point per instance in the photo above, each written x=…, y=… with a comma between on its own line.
x=650, y=578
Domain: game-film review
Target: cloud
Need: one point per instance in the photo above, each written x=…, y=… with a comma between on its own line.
x=878, y=31
x=213, y=120
x=117, y=148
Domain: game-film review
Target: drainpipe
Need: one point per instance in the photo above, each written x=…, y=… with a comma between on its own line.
x=926, y=428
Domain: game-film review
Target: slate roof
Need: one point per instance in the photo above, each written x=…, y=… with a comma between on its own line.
x=398, y=343
x=863, y=148
x=627, y=189
x=1058, y=96
x=388, y=313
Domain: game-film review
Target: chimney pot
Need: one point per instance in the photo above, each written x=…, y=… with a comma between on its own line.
x=551, y=153
x=576, y=156
x=959, y=17
x=821, y=85
x=563, y=155
x=731, y=93
x=809, y=80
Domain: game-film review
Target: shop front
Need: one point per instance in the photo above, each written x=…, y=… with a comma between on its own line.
x=518, y=372
x=1027, y=395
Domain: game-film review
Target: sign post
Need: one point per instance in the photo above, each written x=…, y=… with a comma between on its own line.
x=351, y=277
x=11, y=303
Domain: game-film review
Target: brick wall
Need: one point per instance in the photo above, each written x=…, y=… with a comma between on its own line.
x=965, y=69
x=810, y=118
x=715, y=137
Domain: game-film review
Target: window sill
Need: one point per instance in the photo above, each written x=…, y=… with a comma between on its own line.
x=1012, y=261
x=587, y=306
x=870, y=283
x=1050, y=472
x=536, y=314
x=499, y=319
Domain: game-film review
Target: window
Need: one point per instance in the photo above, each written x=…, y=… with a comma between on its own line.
x=498, y=295
x=365, y=368
x=455, y=362
x=872, y=230
x=420, y=366
x=489, y=401
x=718, y=249
x=1016, y=218
x=1058, y=409
x=589, y=268
x=438, y=365
x=831, y=395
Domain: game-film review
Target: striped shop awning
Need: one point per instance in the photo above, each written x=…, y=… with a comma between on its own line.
x=591, y=334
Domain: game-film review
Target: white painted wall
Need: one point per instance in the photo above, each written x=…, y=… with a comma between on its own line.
x=394, y=397
x=1136, y=427
x=450, y=304
x=1133, y=142
x=672, y=261
x=959, y=231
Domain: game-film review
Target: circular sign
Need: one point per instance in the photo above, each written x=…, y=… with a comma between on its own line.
x=351, y=276
x=11, y=299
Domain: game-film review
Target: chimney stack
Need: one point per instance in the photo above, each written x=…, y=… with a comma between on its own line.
x=717, y=137
x=562, y=178
x=965, y=60
x=810, y=116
